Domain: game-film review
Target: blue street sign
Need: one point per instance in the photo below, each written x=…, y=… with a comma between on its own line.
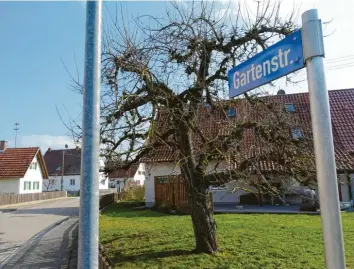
x=277, y=61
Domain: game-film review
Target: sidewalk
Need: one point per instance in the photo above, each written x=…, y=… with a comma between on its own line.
x=54, y=249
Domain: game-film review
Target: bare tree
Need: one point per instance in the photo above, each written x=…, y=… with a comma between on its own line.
x=158, y=76
x=48, y=183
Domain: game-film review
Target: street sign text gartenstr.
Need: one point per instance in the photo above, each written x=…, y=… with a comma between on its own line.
x=278, y=60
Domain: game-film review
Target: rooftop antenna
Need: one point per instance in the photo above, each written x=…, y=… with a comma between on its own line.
x=16, y=128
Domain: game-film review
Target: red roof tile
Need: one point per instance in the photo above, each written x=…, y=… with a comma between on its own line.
x=212, y=123
x=121, y=173
x=14, y=162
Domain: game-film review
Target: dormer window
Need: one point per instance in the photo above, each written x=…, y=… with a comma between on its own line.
x=231, y=112
x=290, y=107
x=296, y=133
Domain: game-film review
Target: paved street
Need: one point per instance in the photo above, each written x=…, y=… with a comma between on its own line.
x=17, y=227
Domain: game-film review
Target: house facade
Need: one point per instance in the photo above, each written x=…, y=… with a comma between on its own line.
x=163, y=161
x=22, y=170
x=134, y=175
x=64, y=169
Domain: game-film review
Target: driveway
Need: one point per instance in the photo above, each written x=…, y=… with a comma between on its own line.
x=17, y=227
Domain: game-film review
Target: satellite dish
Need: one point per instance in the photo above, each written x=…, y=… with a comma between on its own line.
x=66, y=146
x=281, y=92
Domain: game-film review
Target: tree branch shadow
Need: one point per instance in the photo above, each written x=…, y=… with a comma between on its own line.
x=119, y=257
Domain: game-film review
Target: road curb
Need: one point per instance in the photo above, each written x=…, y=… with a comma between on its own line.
x=29, y=241
x=6, y=210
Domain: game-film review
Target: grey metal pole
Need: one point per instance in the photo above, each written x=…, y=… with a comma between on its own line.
x=89, y=189
x=313, y=50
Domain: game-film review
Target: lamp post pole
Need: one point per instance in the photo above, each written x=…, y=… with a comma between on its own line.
x=89, y=189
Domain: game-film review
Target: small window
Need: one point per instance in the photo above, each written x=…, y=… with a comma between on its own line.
x=58, y=168
x=290, y=107
x=72, y=182
x=296, y=133
x=35, y=166
x=231, y=112
x=29, y=185
x=141, y=172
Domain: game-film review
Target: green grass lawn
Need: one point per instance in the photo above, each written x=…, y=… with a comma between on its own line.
x=147, y=239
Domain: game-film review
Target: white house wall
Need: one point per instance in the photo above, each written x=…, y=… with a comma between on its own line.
x=103, y=183
x=32, y=175
x=9, y=185
x=221, y=196
x=140, y=179
x=66, y=183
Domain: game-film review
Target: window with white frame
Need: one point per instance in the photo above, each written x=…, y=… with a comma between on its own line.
x=36, y=185
x=27, y=185
x=33, y=166
x=141, y=172
x=72, y=182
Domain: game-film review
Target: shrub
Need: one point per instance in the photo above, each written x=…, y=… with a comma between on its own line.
x=135, y=193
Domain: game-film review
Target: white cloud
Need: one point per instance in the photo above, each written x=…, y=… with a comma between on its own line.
x=43, y=141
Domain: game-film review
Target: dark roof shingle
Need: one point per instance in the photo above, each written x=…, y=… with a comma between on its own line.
x=72, y=161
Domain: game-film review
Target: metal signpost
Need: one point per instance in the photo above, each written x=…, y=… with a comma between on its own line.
x=89, y=191
x=304, y=48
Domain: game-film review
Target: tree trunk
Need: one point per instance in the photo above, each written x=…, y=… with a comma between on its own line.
x=204, y=225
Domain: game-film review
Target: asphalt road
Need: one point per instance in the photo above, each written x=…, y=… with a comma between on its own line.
x=17, y=227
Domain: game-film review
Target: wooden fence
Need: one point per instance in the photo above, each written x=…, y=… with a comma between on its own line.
x=108, y=199
x=8, y=199
x=171, y=193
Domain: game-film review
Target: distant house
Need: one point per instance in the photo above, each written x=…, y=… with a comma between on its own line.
x=66, y=162
x=163, y=161
x=134, y=175
x=22, y=170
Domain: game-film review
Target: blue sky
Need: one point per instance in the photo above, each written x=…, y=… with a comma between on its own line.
x=39, y=41
x=39, y=38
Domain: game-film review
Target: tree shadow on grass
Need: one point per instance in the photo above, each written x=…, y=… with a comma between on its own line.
x=131, y=210
x=120, y=257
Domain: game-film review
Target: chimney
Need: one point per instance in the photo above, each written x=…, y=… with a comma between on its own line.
x=49, y=149
x=3, y=145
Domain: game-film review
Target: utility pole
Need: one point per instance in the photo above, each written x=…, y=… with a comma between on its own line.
x=16, y=128
x=62, y=169
x=89, y=192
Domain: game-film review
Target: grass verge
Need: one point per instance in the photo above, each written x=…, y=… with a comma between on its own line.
x=147, y=239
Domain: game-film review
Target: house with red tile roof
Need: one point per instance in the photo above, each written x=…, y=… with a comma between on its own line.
x=134, y=175
x=163, y=160
x=22, y=170
x=64, y=169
